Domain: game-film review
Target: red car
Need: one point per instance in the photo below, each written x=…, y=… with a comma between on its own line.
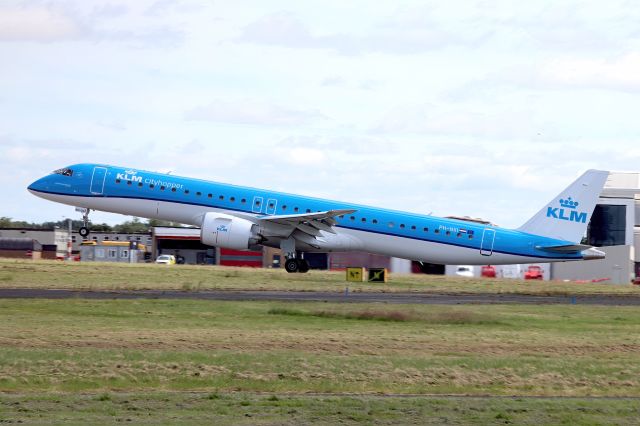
x=488, y=271
x=534, y=273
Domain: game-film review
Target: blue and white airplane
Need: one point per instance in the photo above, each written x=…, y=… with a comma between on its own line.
x=239, y=218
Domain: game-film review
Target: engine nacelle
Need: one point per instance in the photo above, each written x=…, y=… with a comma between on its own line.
x=221, y=230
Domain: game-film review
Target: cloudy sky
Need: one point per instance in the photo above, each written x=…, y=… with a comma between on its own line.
x=482, y=108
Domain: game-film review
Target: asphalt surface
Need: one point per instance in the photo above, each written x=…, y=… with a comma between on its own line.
x=301, y=296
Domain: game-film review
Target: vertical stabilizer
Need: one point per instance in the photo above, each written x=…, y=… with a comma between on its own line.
x=567, y=216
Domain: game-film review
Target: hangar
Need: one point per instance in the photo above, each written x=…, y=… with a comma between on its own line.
x=615, y=229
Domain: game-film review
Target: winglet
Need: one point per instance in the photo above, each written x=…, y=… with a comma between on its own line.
x=567, y=216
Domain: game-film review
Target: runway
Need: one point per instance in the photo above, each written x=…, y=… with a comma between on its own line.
x=332, y=297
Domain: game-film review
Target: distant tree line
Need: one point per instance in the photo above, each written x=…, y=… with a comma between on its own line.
x=128, y=227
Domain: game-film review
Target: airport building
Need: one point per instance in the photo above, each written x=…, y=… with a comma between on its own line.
x=23, y=248
x=113, y=252
x=59, y=238
x=48, y=238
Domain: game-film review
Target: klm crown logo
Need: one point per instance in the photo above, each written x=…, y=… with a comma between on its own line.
x=567, y=211
x=569, y=203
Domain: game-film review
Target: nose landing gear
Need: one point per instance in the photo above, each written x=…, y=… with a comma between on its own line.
x=84, y=230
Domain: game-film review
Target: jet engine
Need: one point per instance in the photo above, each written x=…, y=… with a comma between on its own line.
x=221, y=230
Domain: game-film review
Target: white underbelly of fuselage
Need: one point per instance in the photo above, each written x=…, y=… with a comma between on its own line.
x=389, y=245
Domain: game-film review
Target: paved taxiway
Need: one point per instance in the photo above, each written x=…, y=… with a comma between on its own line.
x=303, y=296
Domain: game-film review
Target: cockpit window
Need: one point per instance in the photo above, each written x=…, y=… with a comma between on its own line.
x=63, y=172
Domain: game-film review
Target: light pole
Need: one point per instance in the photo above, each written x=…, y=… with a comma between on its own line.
x=69, y=240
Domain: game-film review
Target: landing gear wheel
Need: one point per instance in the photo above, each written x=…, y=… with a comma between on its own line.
x=292, y=266
x=84, y=232
x=303, y=266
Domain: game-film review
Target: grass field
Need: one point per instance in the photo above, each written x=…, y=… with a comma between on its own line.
x=193, y=361
x=251, y=409
x=96, y=276
x=92, y=356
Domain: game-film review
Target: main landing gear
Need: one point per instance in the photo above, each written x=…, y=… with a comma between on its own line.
x=84, y=230
x=293, y=264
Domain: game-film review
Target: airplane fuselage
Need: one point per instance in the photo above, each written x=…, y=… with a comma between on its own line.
x=381, y=231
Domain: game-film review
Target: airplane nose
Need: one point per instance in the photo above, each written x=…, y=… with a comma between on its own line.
x=39, y=185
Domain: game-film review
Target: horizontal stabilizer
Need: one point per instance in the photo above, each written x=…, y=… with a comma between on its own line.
x=570, y=248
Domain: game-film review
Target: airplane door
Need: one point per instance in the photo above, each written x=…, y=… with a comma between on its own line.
x=98, y=179
x=488, y=239
x=257, y=204
x=271, y=206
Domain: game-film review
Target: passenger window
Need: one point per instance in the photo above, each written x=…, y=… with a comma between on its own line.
x=353, y=218
x=140, y=184
x=364, y=219
x=426, y=229
x=244, y=201
x=162, y=188
x=470, y=236
x=173, y=189
x=117, y=180
x=375, y=221
x=308, y=210
x=447, y=233
x=391, y=224
x=210, y=195
x=186, y=191
x=151, y=186
x=221, y=197
x=296, y=210
x=413, y=228
x=437, y=231
x=284, y=207
x=232, y=199
x=199, y=194
x=402, y=226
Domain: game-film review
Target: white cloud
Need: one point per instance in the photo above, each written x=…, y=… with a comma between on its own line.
x=621, y=73
x=430, y=119
x=82, y=23
x=305, y=156
x=252, y=112
x=42, y=24
x=285, y=30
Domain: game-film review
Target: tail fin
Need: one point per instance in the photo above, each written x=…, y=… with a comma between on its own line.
x=566, y=217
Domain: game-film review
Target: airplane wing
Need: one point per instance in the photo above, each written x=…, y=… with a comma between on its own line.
x=303, y=227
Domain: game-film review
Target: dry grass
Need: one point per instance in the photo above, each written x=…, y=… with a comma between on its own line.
x=447, y=317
